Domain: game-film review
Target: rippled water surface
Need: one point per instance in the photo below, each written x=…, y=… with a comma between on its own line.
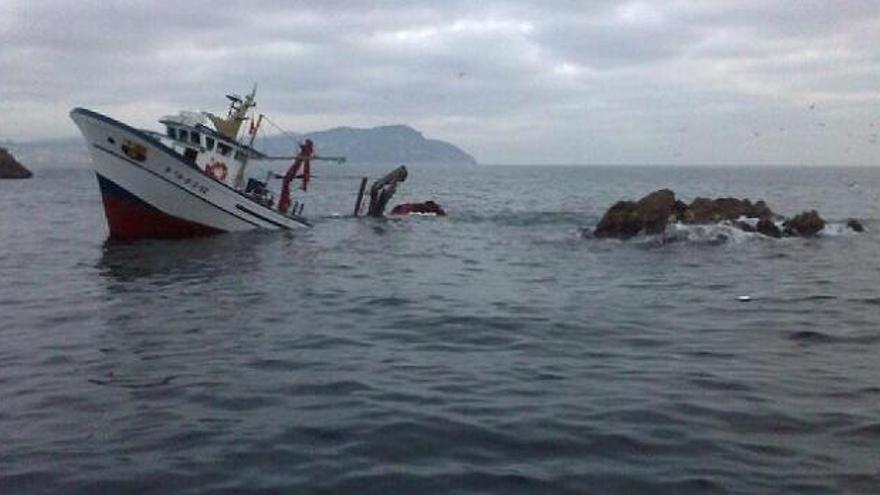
x=494, y=351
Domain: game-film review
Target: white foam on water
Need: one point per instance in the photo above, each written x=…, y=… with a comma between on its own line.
x=709, y=234
x=837, y=229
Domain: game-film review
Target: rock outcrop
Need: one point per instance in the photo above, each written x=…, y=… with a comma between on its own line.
x=620, y=221
x=705, y=211
x=10, y=168
x=768, y=227
x=855, y=225
x=626, y=218
x=654, y=212
x=805, y=224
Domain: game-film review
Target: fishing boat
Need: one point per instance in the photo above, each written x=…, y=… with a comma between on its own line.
x=189, y=180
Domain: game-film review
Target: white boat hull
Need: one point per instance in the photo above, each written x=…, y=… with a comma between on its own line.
x=151, y=191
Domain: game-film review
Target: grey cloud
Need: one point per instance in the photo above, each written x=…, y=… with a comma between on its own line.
x=580, y=81
x=607, y=45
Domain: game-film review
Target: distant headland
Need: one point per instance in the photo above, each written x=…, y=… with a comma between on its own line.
x=388, y=144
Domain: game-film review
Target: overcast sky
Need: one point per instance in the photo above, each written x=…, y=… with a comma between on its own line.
x=598, y=82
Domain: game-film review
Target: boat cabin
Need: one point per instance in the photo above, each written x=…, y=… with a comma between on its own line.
x=213, y=149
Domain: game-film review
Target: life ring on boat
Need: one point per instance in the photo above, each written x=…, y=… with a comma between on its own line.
x=217, y=170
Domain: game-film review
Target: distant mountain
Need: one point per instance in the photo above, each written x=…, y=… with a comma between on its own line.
x=391, y=145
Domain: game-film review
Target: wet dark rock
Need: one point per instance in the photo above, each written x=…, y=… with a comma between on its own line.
x=655, y=209
x=768, y=227
x=805, y=224
x=650, y=214
x=620, y=221
x=10, y=168
x=680, y=209
x=706, y=211
x=744, y=226
x=699, y=211
x=855, y=225
x=761, y=210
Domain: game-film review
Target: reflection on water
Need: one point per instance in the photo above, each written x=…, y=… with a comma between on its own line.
x=163, y=262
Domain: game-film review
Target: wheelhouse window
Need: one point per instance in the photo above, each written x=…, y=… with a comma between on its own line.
x=239, y=156
x=172, y=132
x=209, y=143
x=224, y=149
x=195, y=138
x=183, y=136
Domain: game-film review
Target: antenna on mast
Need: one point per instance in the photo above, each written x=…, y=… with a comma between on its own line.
x=238, y=110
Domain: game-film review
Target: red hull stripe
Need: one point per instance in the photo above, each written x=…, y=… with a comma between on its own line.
x=130, y=218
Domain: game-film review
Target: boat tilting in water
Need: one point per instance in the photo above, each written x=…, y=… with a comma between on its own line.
x=189, y=181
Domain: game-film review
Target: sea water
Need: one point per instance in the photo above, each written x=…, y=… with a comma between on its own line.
x=496, y=350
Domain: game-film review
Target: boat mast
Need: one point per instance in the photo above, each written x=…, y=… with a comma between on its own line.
x=238, y=110
x=239, y=176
